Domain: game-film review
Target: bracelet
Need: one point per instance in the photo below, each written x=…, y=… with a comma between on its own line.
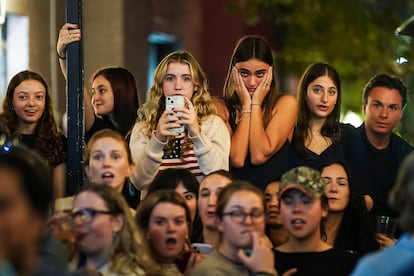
x=60, y=56
x=253, y=104
x=245, y=111
x=241, y=118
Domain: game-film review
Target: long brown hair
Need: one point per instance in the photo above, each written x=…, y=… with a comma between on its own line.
x=46, y=135
x=125, y=94
x=331, y=127
x=249, y=47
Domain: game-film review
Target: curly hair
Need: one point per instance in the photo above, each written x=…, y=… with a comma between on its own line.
x=356, y=231
x=130, y=250
x=47, y=140
x=331, y=127
x=251, y=47
x=125, y=94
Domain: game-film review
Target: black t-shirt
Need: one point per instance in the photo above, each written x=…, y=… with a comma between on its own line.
x=376, y=169
x=330, y=262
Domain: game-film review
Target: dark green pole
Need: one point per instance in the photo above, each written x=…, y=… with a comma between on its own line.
x=75, y=108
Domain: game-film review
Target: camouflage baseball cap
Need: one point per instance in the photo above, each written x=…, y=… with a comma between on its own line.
x=304, y=179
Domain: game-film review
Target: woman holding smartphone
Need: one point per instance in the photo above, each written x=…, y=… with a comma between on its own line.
x=204, y=144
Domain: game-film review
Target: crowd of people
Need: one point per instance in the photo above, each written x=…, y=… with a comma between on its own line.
x=252, y=182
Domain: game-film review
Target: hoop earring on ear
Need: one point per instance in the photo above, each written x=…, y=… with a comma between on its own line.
x=12, y=108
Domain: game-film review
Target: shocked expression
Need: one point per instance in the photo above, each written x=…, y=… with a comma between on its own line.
x=108, y=163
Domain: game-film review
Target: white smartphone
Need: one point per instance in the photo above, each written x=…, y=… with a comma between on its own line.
x=171, y=103
x=203, y=248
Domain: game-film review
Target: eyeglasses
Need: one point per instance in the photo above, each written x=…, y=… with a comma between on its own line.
x=240, y=216
x=87, y=215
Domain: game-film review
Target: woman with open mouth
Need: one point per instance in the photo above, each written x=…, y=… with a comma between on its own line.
x=108, y=161
x=165, y=220
x=303, y=206
x=106, y=237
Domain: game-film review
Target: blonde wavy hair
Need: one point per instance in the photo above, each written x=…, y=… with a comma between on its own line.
x=152, y=109
x=130, y=250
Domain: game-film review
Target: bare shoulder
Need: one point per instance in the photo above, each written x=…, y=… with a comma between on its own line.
x=218, y=101
x=287, y=99
x=220, y=106
x=286, y=102
x=222, y=111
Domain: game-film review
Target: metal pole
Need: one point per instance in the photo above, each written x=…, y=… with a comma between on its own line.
x=75, y=108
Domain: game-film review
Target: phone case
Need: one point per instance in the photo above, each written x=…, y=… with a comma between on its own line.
x=203, y=248
x=171, y=103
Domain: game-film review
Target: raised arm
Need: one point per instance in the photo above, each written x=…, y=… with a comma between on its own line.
x=240, y=137
x=264, y=142
x=68, y=34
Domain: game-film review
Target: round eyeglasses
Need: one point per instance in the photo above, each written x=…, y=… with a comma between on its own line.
x=239, y=216
x=87, y=215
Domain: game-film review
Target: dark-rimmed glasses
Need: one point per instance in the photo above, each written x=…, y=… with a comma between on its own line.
x=240, y=216
x=87, y=215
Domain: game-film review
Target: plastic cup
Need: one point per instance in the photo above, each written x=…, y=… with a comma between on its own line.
x=386, y=225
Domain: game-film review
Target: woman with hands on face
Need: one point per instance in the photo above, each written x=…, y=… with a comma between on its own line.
x=204, y=144
x=259, y=118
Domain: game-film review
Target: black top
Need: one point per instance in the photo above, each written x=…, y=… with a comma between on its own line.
x=131, y=194
x=334, y=153
x=375, y=168
x=330, y=262
x=98, y=124
x=29, y=141
x=260, y=175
